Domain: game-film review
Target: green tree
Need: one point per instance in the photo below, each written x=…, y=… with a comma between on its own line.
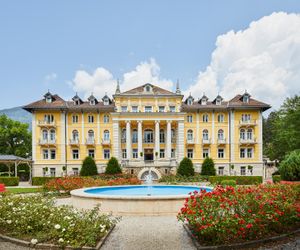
x=290, y=167
x=208, y=167
x=89, y=167
x=113, y=166
x=186, y=167
x=15, y=138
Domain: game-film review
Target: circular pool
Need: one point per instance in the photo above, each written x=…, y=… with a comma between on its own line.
x=135, y=200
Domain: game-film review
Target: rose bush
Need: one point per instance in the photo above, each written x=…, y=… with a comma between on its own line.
x=244, y=213
x=67, y=184
x=37, y=219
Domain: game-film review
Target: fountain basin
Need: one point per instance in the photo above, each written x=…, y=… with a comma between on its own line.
x=135, y=199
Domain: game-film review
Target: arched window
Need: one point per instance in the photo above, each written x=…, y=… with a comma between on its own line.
x=45, y=134
x=249, y=134
x=205, y=134
x=106, y=135
x=134, y=136
x=91, y=134
x=220, y=134
x=190, y=135
x=220, y=118
x=242, y=134
x=48, y=118
x=75, y=135
x=148, y=136
x=161, y=136
x=52, y=134
x=106, y=118
x=205, y=118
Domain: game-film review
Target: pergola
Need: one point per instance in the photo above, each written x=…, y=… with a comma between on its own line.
x=10, y=160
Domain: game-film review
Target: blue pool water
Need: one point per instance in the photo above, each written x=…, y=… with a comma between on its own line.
x=144, y=190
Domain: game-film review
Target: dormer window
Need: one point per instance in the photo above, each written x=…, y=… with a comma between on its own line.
x=76, y=102
x=190, y=101
x=148, y=88
x=218, y=101
x=106, y=100
x=203, y=102
x=48, y=99
x=92, y=102
x=246, y=99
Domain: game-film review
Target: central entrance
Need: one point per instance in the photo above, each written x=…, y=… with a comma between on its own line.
x=148, y=154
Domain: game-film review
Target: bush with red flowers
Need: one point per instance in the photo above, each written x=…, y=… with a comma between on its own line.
x=228, y=215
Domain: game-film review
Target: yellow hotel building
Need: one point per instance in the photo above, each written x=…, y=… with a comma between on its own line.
x=147, y=127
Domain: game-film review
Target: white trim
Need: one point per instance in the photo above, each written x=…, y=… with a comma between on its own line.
x=213, y=127
x=260, y=136
x=98, y=128
x=82, y=128
x=232, y=135
x=33, y=122
x=63, y=137
x=197, y=128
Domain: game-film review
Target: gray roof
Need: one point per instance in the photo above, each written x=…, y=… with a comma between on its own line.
x=6, y=158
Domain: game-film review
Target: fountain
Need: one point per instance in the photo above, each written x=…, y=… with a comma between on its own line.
x=149, y=182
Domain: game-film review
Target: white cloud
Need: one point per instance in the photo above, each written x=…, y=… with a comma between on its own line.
x=264, y=59
x=50, y=78
x=102, y=80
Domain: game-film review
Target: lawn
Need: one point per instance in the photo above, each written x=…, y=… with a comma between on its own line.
x=23, y=190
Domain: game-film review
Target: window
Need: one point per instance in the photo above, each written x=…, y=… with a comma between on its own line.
x=134, y=153
x=45, y=134
x=190, y=101
x=106, y=118
x=48, y=118
x=173, y=153
x=106, y=135
x=75, y=171
x=49, y=99
x=124, y=108
x=161, y=136
x=242, y=134
x=190, y=135
x=242, y=153
x=75, y=154
x=190, y=153
x=52, y=172
x=91, y=153
x=91, y=135
x=220, y=170
x=52, y=135
x=189, y=118
x=92, y=102
x=45, y=154
x=220, y=134
x=45, y=172
x=131, y=171
x=106, y=101
x=90, y=119
x=52, y=154
x=246, y=98
x=123, y=135
x=172, y=108
x=134, y=109
x=173, y=136
x=220, y=152
x=161, y=108
x=148, y=88
x=205, y=153
x=246, y=117
x=148, y=109
x=243, y=170
x=106, y=153
x=134, y=136
x=75, y=135
x=220, y=118
x=249, y=134
x=205, y=118
x=205, y=134
x=148, y=136
x=124, y=154
x=161, y=153
x=218, y=101
x=75, y=118
x=249, y=152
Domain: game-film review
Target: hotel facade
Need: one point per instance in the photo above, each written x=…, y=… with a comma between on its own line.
x=147, y=127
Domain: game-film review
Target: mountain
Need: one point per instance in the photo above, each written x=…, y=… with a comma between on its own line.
x=18, y=114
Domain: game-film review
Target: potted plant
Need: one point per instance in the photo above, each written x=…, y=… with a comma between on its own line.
x=250, y=169
x=64, y=169
x=231, y=168
x=141, y=154
x=156, y=154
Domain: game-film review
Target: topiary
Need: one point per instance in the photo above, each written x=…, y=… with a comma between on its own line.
x=290, y=167
x=186, y=167
x=208, y=167
x=89, y=167
x=113, y=166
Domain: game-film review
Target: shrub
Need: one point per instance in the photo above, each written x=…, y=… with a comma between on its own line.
x=240, y=180
x=244, y=213
x=113, y=166
x=89, y=167
x=276, y=178
x=181, y=178
x=39, y=181
x=186, y=167
x=10, y=181
x=290, y=167
x=231, y=183
x=208, y=167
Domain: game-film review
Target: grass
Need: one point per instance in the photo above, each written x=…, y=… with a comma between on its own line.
x=23, y=190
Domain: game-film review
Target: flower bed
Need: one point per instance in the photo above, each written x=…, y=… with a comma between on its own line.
x=36, y=219
x=228, y=215
x=67, y=184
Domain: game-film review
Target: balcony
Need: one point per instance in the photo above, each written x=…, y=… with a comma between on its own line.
x=190, y=141
x=247, y=140
x=105, y=141
x=221, y=141
x=74, y=141
x=248, y=123
x=47, y=141
x=43, y=123
x=205, y=141
x=90, y=141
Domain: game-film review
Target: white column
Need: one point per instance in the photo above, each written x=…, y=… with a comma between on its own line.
x=232, y=135
x=260, y=137
x=33, y=122
x=213, y=128
x=140, y=139
x=169, y=142
x=157, y=143
x=98, y=129
x=197, y=128
x=128, y=140
x=180, y=141
x=63, y=137
x=116, y=140
x=82, y=128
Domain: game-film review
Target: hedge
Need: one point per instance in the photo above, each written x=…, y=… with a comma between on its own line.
x=276, y=178
x=225, y=183
x=10, y=181
x=240, y=180
x=39, y=181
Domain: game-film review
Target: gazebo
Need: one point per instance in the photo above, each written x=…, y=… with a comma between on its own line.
x=10, y=160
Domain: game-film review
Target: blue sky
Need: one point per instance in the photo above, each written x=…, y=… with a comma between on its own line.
x=44, y=43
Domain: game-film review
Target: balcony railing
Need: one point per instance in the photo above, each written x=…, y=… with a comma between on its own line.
x=221, y=141
x=90, y=141
x=205, y=141
x=74, y=141
x=247, y=140
x=105, y=141
x=248, y=122
x=46, y=123
x=47, y=141
x=190, y=141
